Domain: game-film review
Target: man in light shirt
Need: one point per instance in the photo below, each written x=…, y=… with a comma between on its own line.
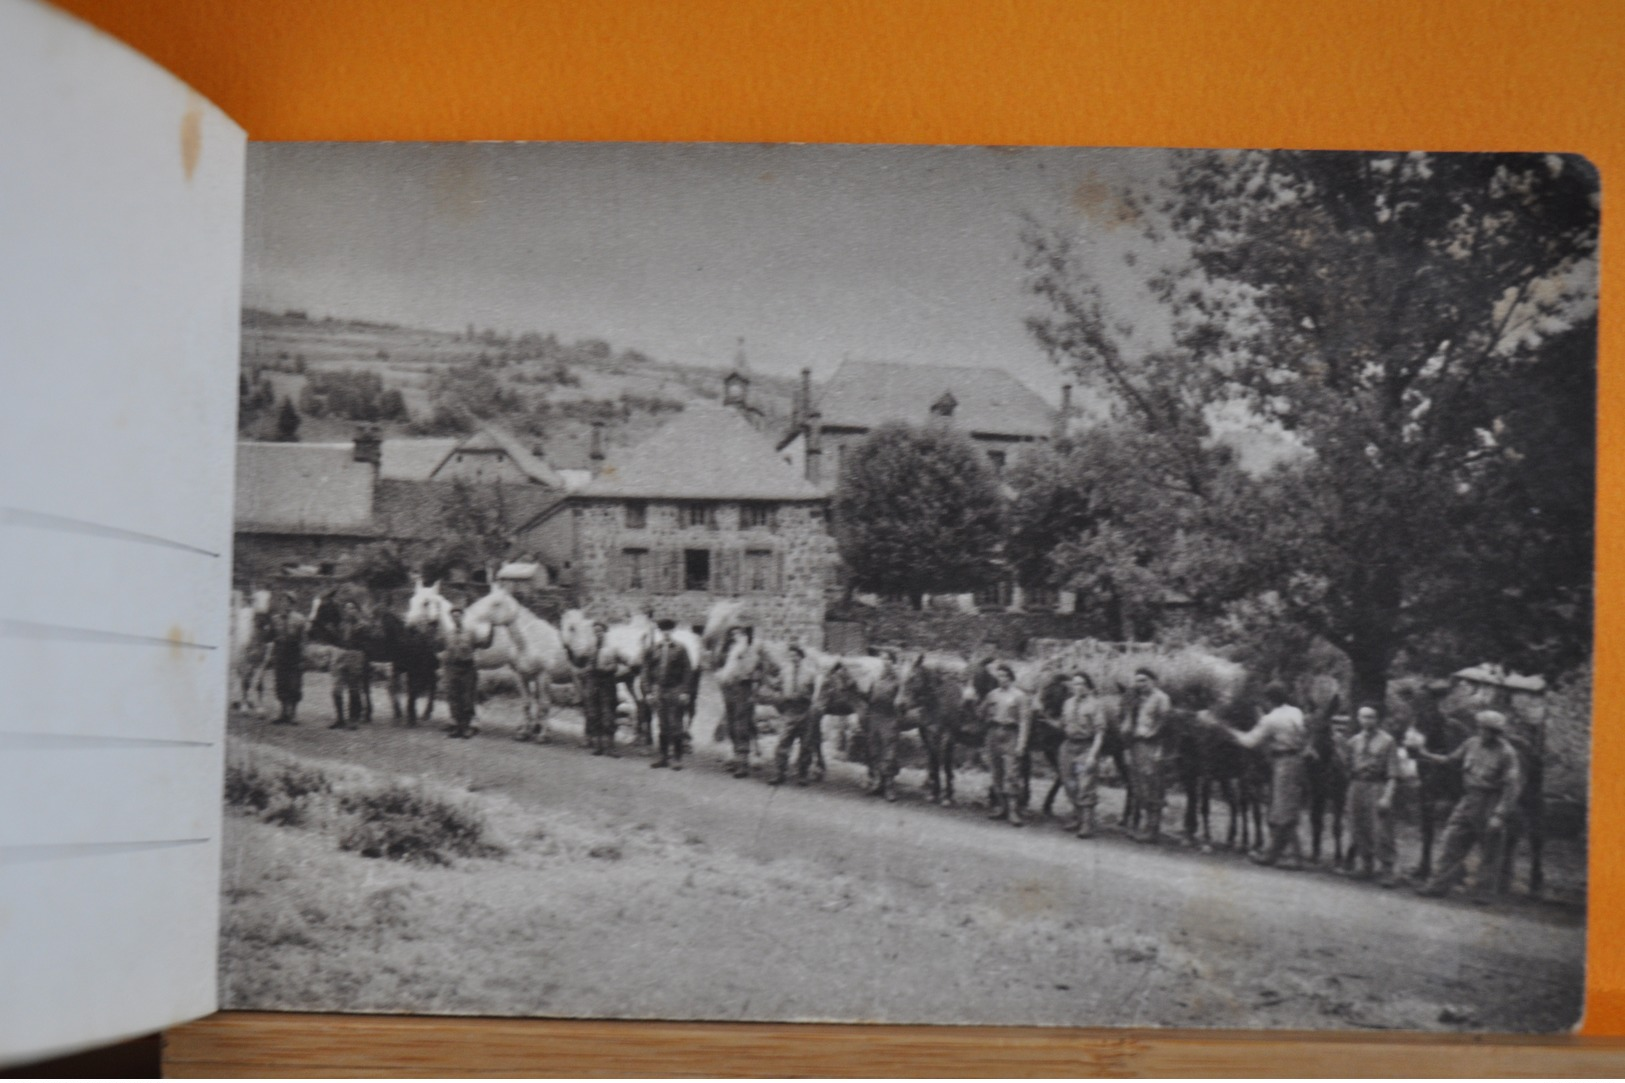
x=1283, y=736
x=1491, y=784
x=1372, y=757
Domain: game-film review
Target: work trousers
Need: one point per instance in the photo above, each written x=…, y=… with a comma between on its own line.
x=1004, y=760
x=881, y=727
x=462, y=681
x=1469, y=825
x=1371, y=830
x=739, y=709
x=1079, y=774
x=799, y=725
x=1150, y=789
x=671, y=705
x=599, y=698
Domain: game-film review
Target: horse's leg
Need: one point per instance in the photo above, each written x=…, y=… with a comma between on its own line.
x=397, y=678
x=1120, y=761
x=933, y=768
x=1053, y=757
x=1424, y=817
x=1537, y=844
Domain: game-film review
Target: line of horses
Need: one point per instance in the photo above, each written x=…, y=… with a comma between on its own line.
x=938, y=701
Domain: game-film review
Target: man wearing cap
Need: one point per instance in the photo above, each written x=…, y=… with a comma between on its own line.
x=288, y=659
x=1283, y=735
x=796, y=681
x=670, y=670
x=462, y=673
x=1491, y=784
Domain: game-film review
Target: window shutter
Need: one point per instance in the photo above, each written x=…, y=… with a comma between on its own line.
x=618, y=571
x=672, y=570
x=727, y=571
x=778, y=571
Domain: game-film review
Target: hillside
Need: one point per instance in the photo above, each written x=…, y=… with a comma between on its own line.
x=416, y=382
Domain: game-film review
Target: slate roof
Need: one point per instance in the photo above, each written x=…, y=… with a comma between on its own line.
x=302, y=489
x=415, y=460
x=415, y=510
x=867, y=394
x=704, y=453
x=491, y=438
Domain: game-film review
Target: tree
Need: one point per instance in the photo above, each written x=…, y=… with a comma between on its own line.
x=478, y=533
x=918, y=511
x=381, y=567
x=287, y=423
x=1386, y=310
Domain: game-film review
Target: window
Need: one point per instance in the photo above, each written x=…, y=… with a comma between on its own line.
x=636, y=568
x=325, y=568
x=637, y=515
x=1039, y=597
x=759, y=570
x=997, y=459
x=696, y=569
x=700, y=514
x=996, y=596
x=758, y=517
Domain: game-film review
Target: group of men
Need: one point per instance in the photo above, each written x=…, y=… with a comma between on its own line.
x=1384, y=779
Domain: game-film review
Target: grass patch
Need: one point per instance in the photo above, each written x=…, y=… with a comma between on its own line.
x=394, y=820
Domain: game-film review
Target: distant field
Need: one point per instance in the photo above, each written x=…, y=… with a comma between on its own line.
x=285, y=349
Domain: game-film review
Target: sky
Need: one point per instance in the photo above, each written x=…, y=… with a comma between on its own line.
x=810, y=253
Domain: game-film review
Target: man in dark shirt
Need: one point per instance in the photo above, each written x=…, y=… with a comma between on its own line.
x=288, y=660
x=670, y=671
x=462, y=672
x=351, y=686
x=796, y=682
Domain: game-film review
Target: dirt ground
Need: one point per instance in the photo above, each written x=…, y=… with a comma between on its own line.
x=626, y=892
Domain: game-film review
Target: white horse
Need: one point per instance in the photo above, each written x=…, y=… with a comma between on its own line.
x=528, y=645
x=842, y=683
x=250, y=647
x=625, y=649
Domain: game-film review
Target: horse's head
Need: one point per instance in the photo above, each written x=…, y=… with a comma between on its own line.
x=498, y=606
x=916, y=685
x=427, y=607
x=725, y=615
x=576, y=630
x=1054, y=694
x=837, y=691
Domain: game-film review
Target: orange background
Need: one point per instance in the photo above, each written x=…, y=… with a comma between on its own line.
x=1359, y=74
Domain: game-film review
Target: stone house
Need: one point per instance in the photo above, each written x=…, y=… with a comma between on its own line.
x=995, y=410
x=311, y=511
x=701, y=510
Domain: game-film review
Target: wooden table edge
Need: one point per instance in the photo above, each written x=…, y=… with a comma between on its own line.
x=298, y=1044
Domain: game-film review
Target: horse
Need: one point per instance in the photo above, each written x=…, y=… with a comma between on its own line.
x=414, y=667
x=326, y=626
x=250, y=647
x=941, y=705
x=1208, y=757
x=1328, y=773
x=520, y=641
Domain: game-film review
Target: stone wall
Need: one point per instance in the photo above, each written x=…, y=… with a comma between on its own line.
x=963, y=633
x=797, y=549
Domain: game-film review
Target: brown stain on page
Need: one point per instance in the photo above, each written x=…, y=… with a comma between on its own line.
x=191, y=136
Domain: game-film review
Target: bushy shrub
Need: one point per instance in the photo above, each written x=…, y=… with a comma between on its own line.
x=405, y=823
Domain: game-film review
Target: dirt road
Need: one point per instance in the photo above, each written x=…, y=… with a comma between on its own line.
x=638, y=892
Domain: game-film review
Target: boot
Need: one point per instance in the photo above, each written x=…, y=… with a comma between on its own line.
x=997, y=810
x=1086, y=824
x=664, y=760
x=1015, y=815
x=1388, y=879
x=888, y=789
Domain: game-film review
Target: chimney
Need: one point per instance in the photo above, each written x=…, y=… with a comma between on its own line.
x=1064, y=418
x=596, y=454
x=815, y=446
x=369, y=446
x=803, y=400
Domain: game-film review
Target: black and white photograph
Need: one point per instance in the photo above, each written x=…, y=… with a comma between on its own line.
x=912, y=584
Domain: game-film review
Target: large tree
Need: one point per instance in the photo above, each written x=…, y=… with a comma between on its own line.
x=1388, y=312
x=918, y=511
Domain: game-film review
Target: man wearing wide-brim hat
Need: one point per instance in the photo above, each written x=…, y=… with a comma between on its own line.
x=1491, y=784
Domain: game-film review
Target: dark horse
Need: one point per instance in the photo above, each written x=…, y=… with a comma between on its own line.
x=934, y=701
x=1209, y=758
x=385, y=638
